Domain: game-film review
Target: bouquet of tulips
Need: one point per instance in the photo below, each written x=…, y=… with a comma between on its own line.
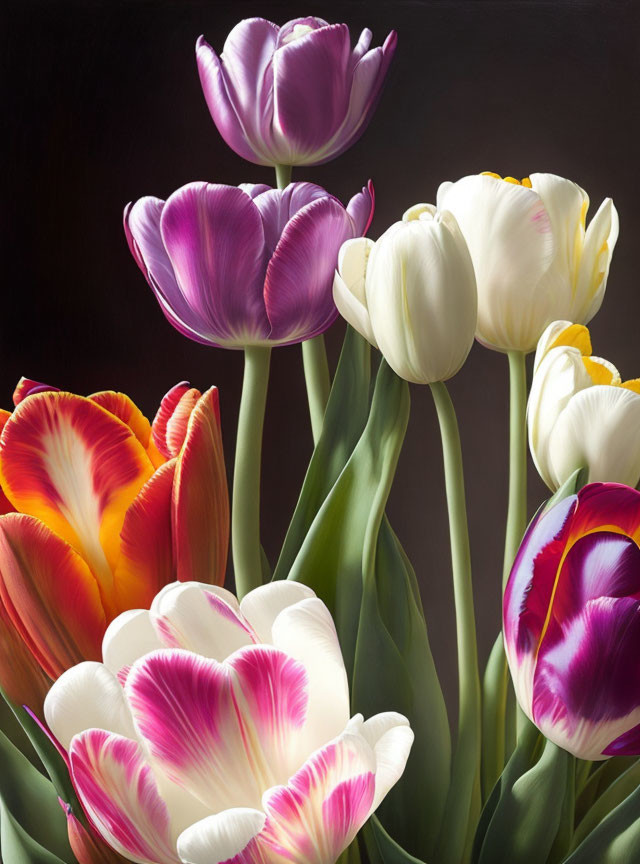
x=152, y=715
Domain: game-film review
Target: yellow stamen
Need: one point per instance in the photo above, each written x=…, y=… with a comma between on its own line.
x=575, y=336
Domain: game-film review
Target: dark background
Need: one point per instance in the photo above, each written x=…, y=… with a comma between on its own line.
x=102, y=105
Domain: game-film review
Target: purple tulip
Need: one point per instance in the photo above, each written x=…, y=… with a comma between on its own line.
x=250, y=265
x=292, y=95
x=571, y=617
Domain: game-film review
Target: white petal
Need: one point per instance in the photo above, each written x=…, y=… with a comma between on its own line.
x=349, y=285
x=220, y=837
x=87, y=696
x=262, y=606
x=598, y=429
x=550, y=336
x=419, y=211
x=508, y=231
x=201, y=618
x=307, y=633
x=128, y=637
x=599, y=243
x=391, y=738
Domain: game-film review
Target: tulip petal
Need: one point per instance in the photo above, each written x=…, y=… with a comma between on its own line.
x=169, y=426
x=587, y=681
x=201, y=618
x=262, y=606
x=76, y=467
x=220, y=837
x=278, y=206
x=146, y=551
x=627, y=744
x=87, y=696
x=349, y=285
x=361, y=208
x=607, y=507
x=310, y=76
x=390, y=737
x=87, y=845
x=125, y=409
x=299, y=278
x=307, y=633
x=214, y=238
x=121, y=797
x=222, y=731
x=200, y=498
x=50, y=594
x=129, y=636
x=599, y=243
x=21, y=676
x=26, y=386
x=5, y=505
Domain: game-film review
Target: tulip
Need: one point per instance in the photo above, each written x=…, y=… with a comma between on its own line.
x=412, y=294
x=216, y=731
x=292, y=95
x=581, y=414
x=534, y=260
x=106, y=509
x=245, y=266
x=571, y=617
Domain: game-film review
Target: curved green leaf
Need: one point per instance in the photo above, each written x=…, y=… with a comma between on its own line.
x=381, y=848
x=616, y=840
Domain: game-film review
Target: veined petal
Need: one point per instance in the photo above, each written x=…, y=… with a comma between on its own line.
x=120, y=795
x=169, y=426
x=26, y=386
x=299, y=278
x=129, y=636
x=200, y=498
x=21, y=676
x=606, y=507
x=125, y=409
x=5, y=505
x=146, y=550
x=599, y=243
x=214, y=238
x=87, y=696
x=50, y=595
x=223, y=731
x=278, y=206
x=76, y=467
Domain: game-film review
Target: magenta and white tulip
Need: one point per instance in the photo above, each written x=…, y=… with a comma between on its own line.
x=293, y=95
x=250, y=265
x=219, y=731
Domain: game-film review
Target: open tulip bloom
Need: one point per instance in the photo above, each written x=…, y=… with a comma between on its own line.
x=191, y=725
x=216, y=731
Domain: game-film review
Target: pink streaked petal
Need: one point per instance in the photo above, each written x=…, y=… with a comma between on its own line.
x=298, y=286
x=226, y=836
x=120, y=795
x=200, y=514
x=606, y=507
x=361, y=208
x=26, y=386
x=223, y=731
x=170, y=423
x=214, y=238
x=146, y=563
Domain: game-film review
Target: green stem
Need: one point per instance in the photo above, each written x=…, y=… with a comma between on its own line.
x=517, y=512
x=316, y=373
x=466, y=761
x=314, y=354
x=245, y=515
x=494, y=687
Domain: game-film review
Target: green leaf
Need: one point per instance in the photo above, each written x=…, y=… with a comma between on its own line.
x=381, y=848
x=34, y=827
x=345, y=418
x=571, y=486
x=616, y=840
x=614, y=795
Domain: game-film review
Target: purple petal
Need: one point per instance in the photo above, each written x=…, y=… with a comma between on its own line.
x=277, y=206
x=362, y=46
x=627, y=744
x=591, y=673
x=361, y=208
x=223, y=112
x=142, y=229
x=298, y=286
x=254, y=189
x=604, y=504
x=214, y=238
x=311, y=94
x=286, y=31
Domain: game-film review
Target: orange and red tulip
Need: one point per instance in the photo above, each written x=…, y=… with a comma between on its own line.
x=100, y=509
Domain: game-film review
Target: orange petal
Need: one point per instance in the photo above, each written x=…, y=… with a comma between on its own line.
x=50, y=595
x=87, y=845
x=146, y=552
x=5, y=505
x=125, y=409
x=200, y=498
x=76, y=467
x=21, y=677
x=170, y=423
x=27, y=385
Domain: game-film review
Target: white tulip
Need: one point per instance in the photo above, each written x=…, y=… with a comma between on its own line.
x=534, y=258
x=412, y=294
x=580, y=414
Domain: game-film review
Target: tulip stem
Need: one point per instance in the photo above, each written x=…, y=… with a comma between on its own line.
x=517, y=512
x=466, y=761
x=245, y=514
x=283, y=175
x=316, y=373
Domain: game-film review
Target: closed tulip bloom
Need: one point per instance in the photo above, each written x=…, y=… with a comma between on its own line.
x=535, y=259
x=292, y=95
x=412, y=294
x=581, y=414
x=243, y=266
x=101, y=510
x=219, y=731
x=571, y=617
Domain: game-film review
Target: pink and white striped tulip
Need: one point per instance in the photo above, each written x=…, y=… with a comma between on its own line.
x=219, y=731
